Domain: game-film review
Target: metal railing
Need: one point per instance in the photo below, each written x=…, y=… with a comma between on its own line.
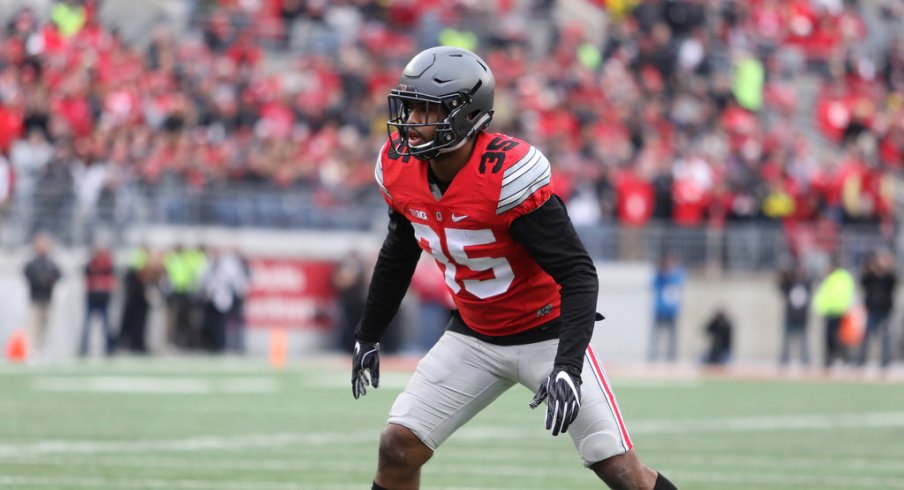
x=747, y=246
x=750, y=246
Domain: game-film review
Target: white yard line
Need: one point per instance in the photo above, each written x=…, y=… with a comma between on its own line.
x=788, y=462
x=153, y=463
x=169, y=365
x=200, y=443
x=764, y=423
x=469, y=433
x=77, y=482
x=771, y=423
x=454, y=459
x=686, y=457
x=156, y=384
x=175, y=484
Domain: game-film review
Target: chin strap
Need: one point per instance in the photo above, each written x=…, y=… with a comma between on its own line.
x=449, y=149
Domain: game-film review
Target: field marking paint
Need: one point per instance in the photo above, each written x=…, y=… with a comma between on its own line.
x=772, y=423
x=787, y=462
x=182, y=484
x=496, y=454
x=201, y=443
x=763, y=423
x=79, y=482
x=156, y=385
x=469, y=433
x=487, y=458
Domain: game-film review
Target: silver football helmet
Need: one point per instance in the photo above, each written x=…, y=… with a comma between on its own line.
x=459, y=83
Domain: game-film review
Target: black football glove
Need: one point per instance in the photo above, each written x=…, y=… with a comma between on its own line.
x=365, y=360
x=562, y=392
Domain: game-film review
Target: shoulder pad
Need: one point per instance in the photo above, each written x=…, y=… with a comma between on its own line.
x=521, y=180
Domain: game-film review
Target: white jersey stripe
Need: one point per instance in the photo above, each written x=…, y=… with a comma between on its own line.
x=527, y=160
x=603, y=383
x=510, y=182
x=525, y=193
x=513, y=187
x=521, y=180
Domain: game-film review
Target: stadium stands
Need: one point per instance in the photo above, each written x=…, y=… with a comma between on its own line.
x=680, y=119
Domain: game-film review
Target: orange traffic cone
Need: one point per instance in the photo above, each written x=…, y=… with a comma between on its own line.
x=17, y=347
x=278, y=348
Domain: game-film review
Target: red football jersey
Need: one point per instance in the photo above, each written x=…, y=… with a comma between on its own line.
x=496, y=285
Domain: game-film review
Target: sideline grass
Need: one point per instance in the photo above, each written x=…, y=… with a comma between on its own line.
x=236, y=424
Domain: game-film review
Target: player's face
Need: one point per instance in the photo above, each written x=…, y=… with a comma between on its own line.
x=425, y=115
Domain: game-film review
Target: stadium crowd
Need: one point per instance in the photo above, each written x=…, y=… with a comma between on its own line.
x=687, y=111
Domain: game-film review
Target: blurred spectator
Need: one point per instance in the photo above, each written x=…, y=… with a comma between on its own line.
x=223, y=279
x=69, y=16
x=878, y=281
x=182, y=278
x=797, y=294
x=143, y=285
x=350, y=282
x=53, y=198
x=668, y=292
x=100, y=280
x=93, y=181
x=42, y=274
x=235, y=318
x=834, y=297
x=7, y=186
x=719, y=330
x=29, y=157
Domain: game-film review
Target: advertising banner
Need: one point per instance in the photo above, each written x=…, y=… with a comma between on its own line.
x=291, y=294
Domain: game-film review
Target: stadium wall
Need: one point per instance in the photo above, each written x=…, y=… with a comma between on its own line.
x=752, y=301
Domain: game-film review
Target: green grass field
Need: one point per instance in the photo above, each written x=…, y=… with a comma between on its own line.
x=238, y=424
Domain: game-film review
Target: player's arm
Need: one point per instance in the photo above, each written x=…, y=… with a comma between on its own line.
x=392, y=274
x=549, y=236
x=391, y=277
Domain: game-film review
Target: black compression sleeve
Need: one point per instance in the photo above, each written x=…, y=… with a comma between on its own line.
x=549, y=236
x=663, y=483
x=392, y=275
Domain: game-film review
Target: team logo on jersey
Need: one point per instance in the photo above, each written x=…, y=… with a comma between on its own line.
x=439, y=216
x=544, y=311
x=417, y=213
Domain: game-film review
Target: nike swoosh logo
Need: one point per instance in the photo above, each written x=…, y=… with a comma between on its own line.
x=456, y=219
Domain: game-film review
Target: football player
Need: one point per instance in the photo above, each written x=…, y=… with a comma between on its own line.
x=524, y=287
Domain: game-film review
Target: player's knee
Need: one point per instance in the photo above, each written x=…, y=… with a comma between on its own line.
x=399, y=446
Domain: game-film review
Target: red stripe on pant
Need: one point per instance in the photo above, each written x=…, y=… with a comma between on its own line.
x=610, y=397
